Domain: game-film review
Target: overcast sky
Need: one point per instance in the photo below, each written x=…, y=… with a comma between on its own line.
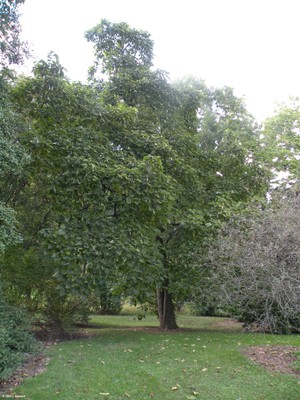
x=250, y=45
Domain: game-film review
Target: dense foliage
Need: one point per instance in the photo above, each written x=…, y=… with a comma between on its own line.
x=12, y=160
x=126, y=186
x=130, y=177
x=15, y=340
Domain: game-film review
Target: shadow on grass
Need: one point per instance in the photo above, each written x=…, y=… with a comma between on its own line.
x=224, y=325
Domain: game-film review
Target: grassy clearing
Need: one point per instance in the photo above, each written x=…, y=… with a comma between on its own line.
x=203, y=362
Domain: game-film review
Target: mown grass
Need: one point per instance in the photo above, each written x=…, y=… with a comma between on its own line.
x=125, y=361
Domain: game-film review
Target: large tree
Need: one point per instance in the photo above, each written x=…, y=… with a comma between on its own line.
x=206, y=141
x=134, y=173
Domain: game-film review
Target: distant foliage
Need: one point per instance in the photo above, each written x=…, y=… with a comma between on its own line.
x=12, y=49
x=205, y=301
x=105, y=302
x=281, y=142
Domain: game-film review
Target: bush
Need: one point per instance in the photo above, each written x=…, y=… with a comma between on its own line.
x=27, y=279
x=256, y=261
x=16, y=341
x=58, y=314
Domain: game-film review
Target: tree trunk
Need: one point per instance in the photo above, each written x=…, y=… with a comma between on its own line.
x=165, y=308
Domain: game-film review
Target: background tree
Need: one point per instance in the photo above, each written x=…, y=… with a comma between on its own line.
x=281, y=136
x=12, y=49
x=11, y=154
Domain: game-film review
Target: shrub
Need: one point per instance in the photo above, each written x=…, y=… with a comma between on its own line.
x=256, y=261
x=16, y=340
x=58, y=314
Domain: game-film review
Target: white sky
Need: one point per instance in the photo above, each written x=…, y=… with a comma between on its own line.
x=250, y=45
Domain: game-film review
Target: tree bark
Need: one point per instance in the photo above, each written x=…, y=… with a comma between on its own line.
x=165, y=308
x=165, y=305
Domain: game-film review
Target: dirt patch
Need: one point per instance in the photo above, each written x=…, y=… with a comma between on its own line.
x=275, y=358
x=33, y=366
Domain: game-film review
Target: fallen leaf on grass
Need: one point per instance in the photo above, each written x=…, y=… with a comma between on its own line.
x=104, y=394
x=204, y=370
x=177, y=386
x=237, y=370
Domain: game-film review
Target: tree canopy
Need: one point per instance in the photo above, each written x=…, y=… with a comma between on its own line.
x=130, y=176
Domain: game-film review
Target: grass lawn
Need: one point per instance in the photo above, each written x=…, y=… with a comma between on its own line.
x=124, y=361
